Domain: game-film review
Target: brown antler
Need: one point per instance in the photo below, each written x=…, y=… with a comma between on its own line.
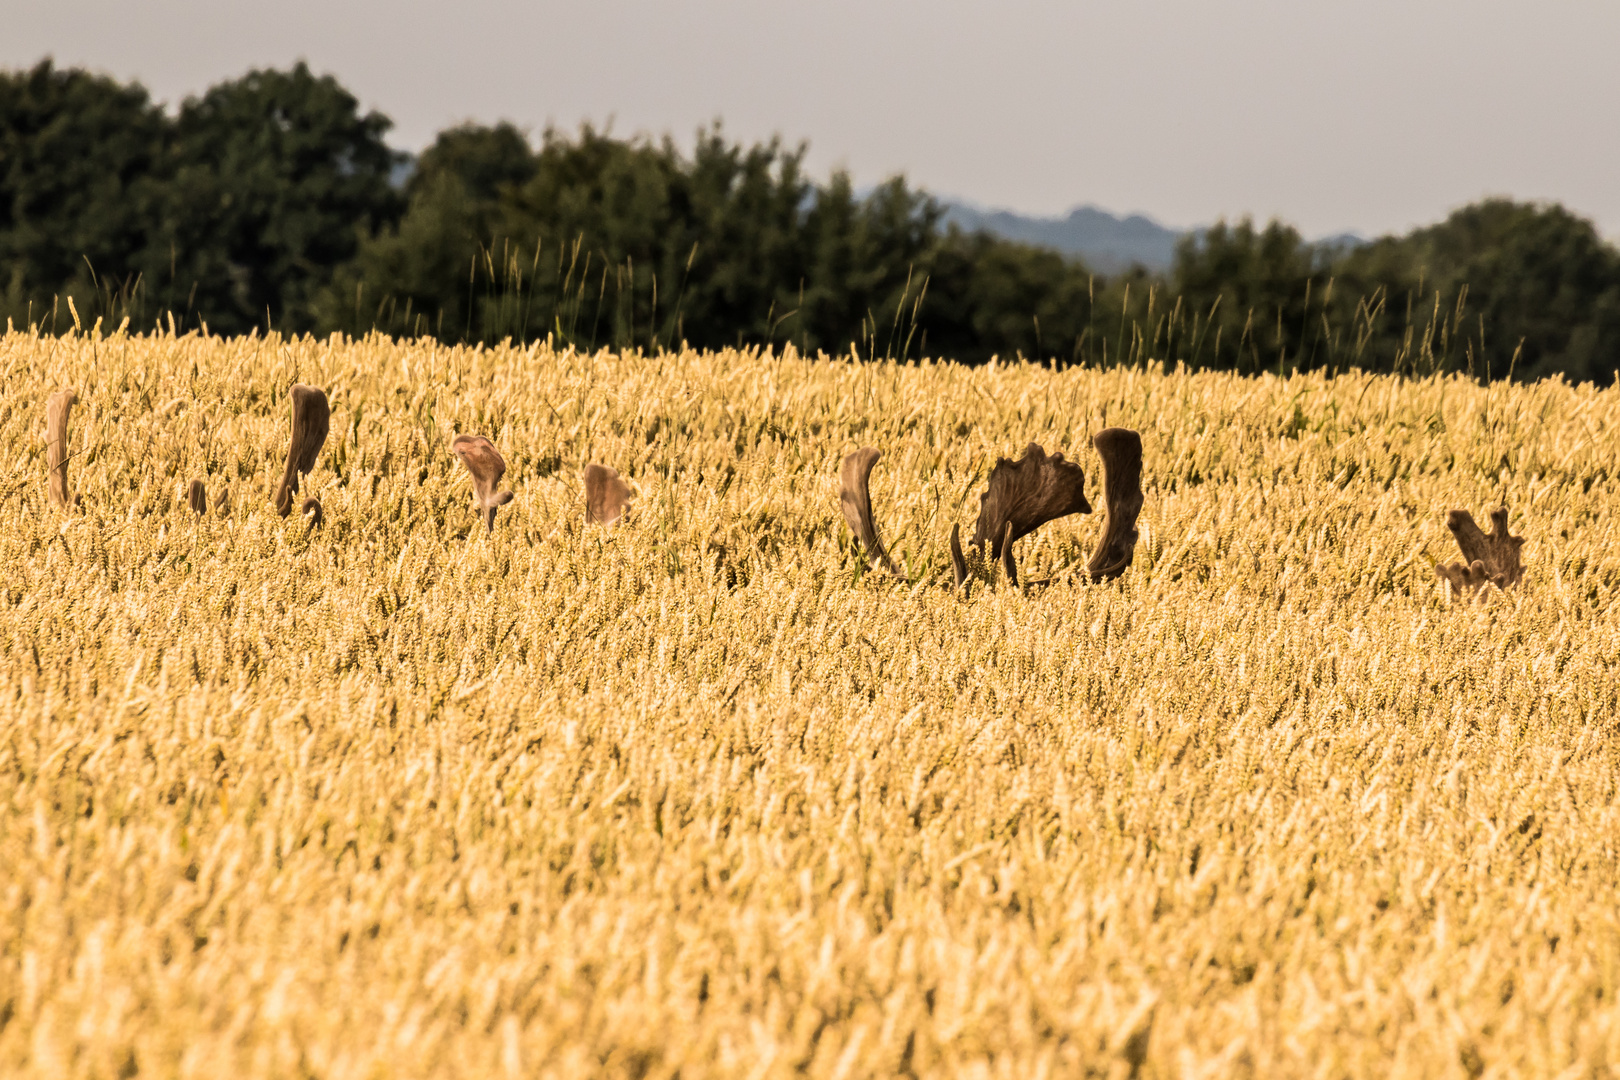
x=958, y=561
x=57, y=409
x=197, y=498
x=486, y=467
x=855, y=499
x=1488, y=558
x=311, y=416
x=222, y=502
x=1022, y=496
x=607, y=497
x=312, y=511
x=1121, y=453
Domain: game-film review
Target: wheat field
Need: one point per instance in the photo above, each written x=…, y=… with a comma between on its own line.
x=696, y=795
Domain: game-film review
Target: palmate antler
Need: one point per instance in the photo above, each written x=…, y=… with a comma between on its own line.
x=486, y=466
x=311, y=417
x=1488, y=558
x=1022, y=496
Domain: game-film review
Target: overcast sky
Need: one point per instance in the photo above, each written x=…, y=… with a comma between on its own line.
x=1371, y=116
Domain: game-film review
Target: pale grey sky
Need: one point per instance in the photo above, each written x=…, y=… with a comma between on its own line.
x=1371, y=116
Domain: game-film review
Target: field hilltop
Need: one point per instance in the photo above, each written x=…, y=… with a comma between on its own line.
x=698, y=794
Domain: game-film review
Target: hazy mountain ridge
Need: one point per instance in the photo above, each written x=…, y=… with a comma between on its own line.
x=1105, y=242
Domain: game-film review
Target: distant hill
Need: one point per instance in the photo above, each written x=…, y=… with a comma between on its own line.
x=1106, y=243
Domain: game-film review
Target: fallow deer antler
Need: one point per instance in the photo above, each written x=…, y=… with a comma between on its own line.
x=486, y=467
x=57, y=410
x=855, y=499
x=197, y=498
x=311, y=416
x=607, y=497
x=1121, y=453
x=1488, y=558
x=222, y=502
x=958, y=560
x=1022, y=496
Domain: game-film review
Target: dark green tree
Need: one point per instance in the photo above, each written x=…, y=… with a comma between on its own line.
x=414, y=278
x=273, y=180
x=992, y=297
x=632, y=243
x=77, y=154
x=1247, y=291
x=1527, y=288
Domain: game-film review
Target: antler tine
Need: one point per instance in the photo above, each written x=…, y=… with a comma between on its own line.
x=486, y=466
x=312, y=511
x=1025, y=494
x=57, y=410
x=1007, y=563
x=607, y=497
x=222, y=502
x=855, y=499
x=311, y=417
x=1488, y=558
x=197, y=498
x=958, y=561
x=1121, y=453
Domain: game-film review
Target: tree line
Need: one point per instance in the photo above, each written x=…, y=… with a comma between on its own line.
x=273, y=201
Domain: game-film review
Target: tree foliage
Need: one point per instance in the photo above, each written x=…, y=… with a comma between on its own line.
x=79, y=175
x=273, y=200
x=274, y=180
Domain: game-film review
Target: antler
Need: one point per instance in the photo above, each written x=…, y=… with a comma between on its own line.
x=1121, y=453
x=310, y=419
x=57, y=409
x=222, y=502
x=958, y=561
x=197, y=498
x=486, y=466
x=1022, y=496
x=312, y=511
x=607, y=497
x=855, y=499
x=1488, y=558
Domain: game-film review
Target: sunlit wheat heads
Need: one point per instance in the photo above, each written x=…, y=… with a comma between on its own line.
x=1239, y=792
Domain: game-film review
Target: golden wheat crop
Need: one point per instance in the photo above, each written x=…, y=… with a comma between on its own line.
x=401, y=796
